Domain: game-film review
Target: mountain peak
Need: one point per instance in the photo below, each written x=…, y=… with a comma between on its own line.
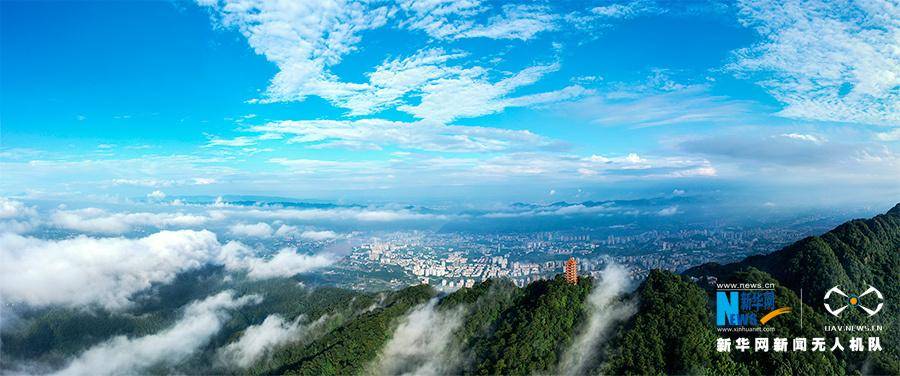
x=895, y=210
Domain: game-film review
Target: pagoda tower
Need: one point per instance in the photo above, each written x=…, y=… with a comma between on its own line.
x=571, y=271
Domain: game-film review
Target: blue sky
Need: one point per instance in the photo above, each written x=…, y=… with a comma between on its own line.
x=457, y=101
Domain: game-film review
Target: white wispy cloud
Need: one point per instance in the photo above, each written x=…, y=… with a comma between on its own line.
x=603, y=312
x=669, y=211
x=804, y=137
x=670, y=104
x=305, y=40
x=826, y=60
x=421, y=343
x=258, y=340
x=472, y=94
x=200, y=321
x=626, y=10
x=456, y=19
x=891, y=135
x=236, y=142
x=376, y=134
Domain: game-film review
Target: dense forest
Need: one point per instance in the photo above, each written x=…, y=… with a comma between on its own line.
x=498, y=328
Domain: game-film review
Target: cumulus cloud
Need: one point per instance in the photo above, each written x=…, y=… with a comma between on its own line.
x=826, y=60
x=603, y=312
x=122, y=355
x=16, y=217
x=156, y=195
x=421, y=343
x=259, y=340
x=100, y=221
x=84, y=271
x=10, y=209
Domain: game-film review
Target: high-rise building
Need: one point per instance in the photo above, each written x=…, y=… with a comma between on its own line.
x=571, y=271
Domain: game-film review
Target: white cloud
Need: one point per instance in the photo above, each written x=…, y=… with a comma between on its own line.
x=258, y=230
x=200, y=321
x=303, y=39
x=306, y=39
x=318, y=235
x=12, y=209
x=16, y=217
x=892, y=135
x=108, y=271
x=603, y=313
x=375, y=134
x=83, y=270
x=421, y=343
x=284, y=263
x=628, y=10
x=804, y=137
x=471, y=94
x=515, y=22
x=101, y=221
x=156, y=195
x=203, y=181
x=669, y=211
x=670, y=104
x=826, y=60
x=264, y=230
x=258, y=340
x=454, y=19
x=334, y=214
x=236, y=142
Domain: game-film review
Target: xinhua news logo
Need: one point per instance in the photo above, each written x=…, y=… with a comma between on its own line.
x=746, y=305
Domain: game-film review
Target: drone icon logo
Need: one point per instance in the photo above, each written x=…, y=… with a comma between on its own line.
x=853, y=301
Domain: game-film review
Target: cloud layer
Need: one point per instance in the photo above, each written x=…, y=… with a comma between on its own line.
x=84, y=271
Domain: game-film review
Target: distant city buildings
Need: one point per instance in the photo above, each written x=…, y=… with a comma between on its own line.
x=449, y=261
